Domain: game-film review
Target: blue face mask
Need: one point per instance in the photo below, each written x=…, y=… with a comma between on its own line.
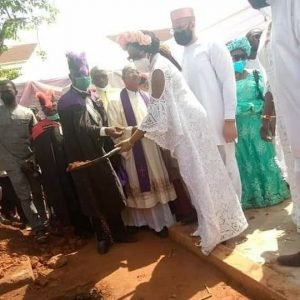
x=239, y=66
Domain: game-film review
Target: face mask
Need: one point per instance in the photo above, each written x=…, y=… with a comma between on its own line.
x=259, y=3
x=183, y=37
x=266, y=12
x=8, y=98
x=82, y=83
x=53, y=117
x=239, y=66
x=143, y=65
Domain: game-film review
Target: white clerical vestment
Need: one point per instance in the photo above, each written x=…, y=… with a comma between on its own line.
x=107, y=94
x=208, y=70
x=147, y=208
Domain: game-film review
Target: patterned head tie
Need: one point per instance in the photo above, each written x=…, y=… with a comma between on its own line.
x=240, y=43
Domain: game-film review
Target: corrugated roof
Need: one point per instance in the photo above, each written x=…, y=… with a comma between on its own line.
x=17, y=54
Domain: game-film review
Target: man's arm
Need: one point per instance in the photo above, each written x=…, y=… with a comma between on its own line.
x=82, y=123
x=222, y=64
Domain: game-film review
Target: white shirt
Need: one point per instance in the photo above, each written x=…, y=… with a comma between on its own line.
x=107, y=94
x=253, y=64
x=208, y=70
x=138, y=105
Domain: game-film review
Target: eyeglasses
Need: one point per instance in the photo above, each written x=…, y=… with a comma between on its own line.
x=238, y=57
x=178, y=29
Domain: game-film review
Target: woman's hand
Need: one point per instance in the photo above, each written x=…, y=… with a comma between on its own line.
x=134, y=129
x=266, y=131
x=125, y=145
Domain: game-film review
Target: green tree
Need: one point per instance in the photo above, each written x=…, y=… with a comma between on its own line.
x=21, y=14
x=10, y=74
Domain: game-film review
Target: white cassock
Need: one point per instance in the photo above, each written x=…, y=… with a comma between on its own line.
x=208, y=70
x=147, y=208
x=285, y=86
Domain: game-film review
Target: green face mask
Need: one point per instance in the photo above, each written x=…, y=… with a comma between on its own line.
x=53, y=117
x=82, y=83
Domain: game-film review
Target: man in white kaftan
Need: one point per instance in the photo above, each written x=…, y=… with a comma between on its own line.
x=146, y=205
x=208, y=70
x=286, y=56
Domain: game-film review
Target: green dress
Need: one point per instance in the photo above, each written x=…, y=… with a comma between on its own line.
x=262, y=181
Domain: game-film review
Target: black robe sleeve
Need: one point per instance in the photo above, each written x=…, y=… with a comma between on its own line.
x=82, y=122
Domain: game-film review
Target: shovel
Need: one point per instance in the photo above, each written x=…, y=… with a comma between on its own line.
x=78, y=165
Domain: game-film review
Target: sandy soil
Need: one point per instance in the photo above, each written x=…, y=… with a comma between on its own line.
x=153, y=268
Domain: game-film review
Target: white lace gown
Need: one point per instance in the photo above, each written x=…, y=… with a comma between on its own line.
x=177, y=122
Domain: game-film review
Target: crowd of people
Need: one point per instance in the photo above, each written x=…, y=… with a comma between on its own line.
x=195, y=138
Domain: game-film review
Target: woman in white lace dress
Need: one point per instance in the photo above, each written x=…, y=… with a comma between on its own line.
x=176, y=121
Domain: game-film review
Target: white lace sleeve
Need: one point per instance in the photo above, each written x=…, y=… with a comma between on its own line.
x=156, y=119
x=162, y=123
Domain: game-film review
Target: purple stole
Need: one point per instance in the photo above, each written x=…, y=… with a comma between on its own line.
x=138, y=151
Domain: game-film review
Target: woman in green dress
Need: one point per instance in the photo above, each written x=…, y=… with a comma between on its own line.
x=262, y=180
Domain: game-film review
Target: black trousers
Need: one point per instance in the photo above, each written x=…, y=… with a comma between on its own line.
x=10, y=201
x=108, y=227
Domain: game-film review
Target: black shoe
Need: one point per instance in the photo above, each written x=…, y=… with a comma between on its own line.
x=103, y=246
x=164, y=233
x=190, y=219
x=14, y=218
x=289, y=260
x=132, y=229
x=125, y=238
x=41, y=237
x=4, y=220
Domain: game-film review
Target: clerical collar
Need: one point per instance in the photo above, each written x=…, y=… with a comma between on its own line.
x=133, y=93
x=105, y=89
x=82, y=93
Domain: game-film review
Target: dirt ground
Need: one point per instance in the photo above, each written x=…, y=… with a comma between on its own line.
x=271, y=233
x=152, y=268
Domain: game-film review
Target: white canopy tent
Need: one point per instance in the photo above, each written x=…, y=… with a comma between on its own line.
x=52, y=72
x=101, y=52
x=84, y=30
